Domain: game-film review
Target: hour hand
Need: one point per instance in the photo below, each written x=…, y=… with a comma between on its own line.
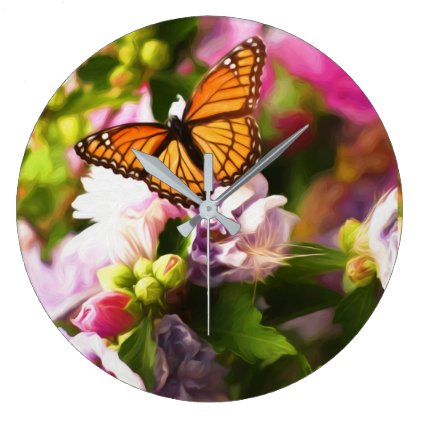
x=157, y=169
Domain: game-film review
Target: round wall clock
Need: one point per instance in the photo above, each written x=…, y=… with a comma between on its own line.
x=209, y=209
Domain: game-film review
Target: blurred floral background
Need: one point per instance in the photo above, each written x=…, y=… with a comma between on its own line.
x=320, y=227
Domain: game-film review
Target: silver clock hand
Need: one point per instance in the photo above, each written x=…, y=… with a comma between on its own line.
x=261, y=164
x=157, y=169
x=208, y=185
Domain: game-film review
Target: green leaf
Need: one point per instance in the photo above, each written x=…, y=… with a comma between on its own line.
x=138, y=351
x=288, y=300
x=355, y=309
x=236, y=326
x=165, y=86
x=177, y=30
x=170, y=241
x=309, y=259
x=97, y=69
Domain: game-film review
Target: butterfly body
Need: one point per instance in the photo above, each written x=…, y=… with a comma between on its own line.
x=215, y=120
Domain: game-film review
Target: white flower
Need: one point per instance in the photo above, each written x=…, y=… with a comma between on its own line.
x=260, y=246
x=67, y=280
x=128, y=218
x=378, y=236
x=384, y=235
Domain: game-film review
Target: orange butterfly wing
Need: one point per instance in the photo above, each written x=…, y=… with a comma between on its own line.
x=231, y=87
x=218, y=121
x=235, y=144
x=112, y=148
x=176, y=158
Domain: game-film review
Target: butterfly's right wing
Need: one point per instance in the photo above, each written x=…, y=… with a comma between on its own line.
x=112, y=148
x=231, y=87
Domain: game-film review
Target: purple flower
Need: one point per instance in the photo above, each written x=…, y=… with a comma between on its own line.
x=94, y=348
x=260, y=246
x=186, y=368
x=68, y=280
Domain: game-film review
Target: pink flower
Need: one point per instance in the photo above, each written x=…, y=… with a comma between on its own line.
x=68, y=280
x=141, y=111
x=95, y=349
x=341, y=93
x=76, y=165
x=105, y=314
x=220, y=35
x=128, y=217
x=260, y=246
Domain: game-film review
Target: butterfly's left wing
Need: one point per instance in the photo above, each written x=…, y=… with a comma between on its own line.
x=112, y=148
x=231, y=87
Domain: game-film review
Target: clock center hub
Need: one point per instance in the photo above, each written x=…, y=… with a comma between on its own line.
x=208, y=209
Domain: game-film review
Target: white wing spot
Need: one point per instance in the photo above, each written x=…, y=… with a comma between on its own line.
x=104, y=136
x=253, y=89
x=254, y=44
x=80, y=144
x=107, y=142
x=90, y=138
x=232, y=66
x=249, y=40
x=258, y=59
x=227, y=61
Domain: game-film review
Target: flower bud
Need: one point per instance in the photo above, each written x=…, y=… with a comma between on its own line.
x=69, y=127
x=169, y=270
x=120, y=76
x=348, y=233
x=127, y=53
x=148, y=290
x=106, y=314
x=155, y=54
x=361, y=270
x=142, y=268
x=116, y=277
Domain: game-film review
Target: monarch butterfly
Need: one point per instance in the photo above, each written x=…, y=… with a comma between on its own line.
x=215, y=120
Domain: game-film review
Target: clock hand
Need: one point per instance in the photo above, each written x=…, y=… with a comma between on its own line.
x=261, y=164
x=208, y=185
x=157, y=169
x=232, y=227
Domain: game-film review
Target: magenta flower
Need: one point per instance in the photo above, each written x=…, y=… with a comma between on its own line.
x=105, y=314
x=68, y=280
x=221, y=35
x=186, y=368
x=95, y=349
x=341, y=93
x=260, y=246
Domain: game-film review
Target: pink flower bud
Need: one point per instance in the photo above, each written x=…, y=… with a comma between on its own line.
x=106, y=314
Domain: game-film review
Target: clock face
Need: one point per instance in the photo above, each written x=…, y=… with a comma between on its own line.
x=299, y=251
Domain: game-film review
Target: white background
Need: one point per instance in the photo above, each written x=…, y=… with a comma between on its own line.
x=376, y=376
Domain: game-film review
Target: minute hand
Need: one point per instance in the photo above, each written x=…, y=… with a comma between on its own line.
x=261, y=164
